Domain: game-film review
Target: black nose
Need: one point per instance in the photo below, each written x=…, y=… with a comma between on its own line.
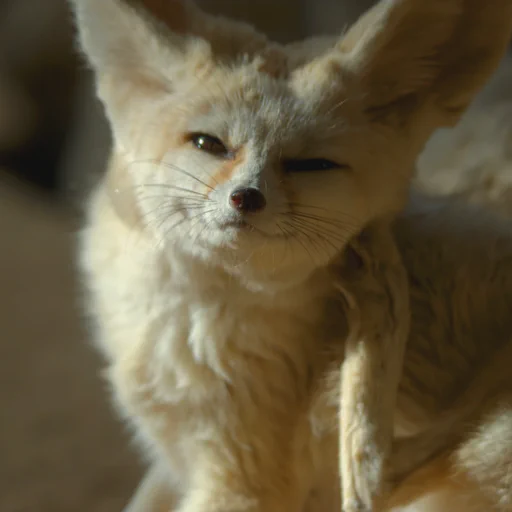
x=247, y=200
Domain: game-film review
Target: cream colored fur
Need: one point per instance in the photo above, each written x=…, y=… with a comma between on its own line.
x=225, y=343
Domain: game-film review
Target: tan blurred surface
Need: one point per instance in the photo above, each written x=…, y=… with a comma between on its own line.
x=60, y=447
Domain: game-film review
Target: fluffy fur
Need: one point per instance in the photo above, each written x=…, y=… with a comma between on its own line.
x=225, y=333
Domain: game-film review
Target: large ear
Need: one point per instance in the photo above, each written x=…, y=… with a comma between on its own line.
x=140, y=48
x=403, y=53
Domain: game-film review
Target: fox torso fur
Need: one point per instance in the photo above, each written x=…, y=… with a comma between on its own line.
x=227, y=250
x=461, y=293
x=185, y=346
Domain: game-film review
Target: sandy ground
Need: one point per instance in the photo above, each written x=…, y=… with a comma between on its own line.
x=61, y=449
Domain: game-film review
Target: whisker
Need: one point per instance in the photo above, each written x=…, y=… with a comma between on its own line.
x=322, y=220
x=320, y=238
x=165, y=215
x=311, y=241
x=320, y=230
x=208, y=173
x=293, y=234
x=190, y=201
x=325, y=236
x=181, y=221
x=328, y=210
x=286, y=236
x=168, y=208
x=167, y=211
x=336, y=106
x=173, y=187
x=173, y=167
x=315, y=240
x=205, y=227
x=186, y=173
x=197, y=217
x=317, y=220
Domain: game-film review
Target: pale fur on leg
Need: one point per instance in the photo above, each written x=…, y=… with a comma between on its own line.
x=378, y=313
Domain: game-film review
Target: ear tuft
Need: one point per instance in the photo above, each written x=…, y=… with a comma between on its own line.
x=117, y=34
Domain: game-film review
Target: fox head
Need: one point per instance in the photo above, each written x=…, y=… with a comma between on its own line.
x=264, y=158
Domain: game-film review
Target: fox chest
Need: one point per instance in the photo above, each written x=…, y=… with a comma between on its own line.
x=195, y=363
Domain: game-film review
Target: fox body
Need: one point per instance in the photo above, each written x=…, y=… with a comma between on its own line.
x=266, y=289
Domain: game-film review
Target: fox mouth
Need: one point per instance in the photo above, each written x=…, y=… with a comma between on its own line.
x=242, y=226
x=236, y=224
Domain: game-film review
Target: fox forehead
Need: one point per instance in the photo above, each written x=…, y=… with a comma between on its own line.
x=237, y=106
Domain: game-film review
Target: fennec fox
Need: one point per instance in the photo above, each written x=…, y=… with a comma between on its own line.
x=245, y=254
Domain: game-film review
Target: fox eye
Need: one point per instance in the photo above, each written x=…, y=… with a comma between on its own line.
x=210, y=144
x=310, y=165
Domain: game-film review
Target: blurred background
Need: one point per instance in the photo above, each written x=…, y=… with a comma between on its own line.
x=61, y=448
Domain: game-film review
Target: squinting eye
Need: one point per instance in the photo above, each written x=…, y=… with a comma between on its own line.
x=209, y=144
x=309, y=165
